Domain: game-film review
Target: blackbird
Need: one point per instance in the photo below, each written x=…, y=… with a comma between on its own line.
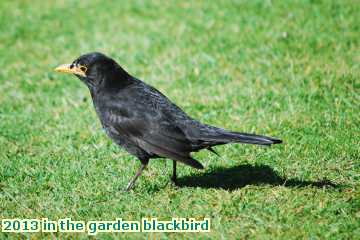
x=145, y=122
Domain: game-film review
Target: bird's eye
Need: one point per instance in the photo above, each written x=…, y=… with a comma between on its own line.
x=83, y=68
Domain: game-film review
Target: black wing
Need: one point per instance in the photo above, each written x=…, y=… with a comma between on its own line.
x=143, y=119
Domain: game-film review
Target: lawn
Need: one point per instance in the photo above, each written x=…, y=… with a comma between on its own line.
x=288, y=69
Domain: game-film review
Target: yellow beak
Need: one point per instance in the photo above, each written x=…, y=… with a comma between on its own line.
x=66, y=68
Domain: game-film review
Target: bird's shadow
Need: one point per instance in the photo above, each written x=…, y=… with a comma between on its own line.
x=239, y=176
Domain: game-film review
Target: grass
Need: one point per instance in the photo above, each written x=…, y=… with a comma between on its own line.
x=283, y=68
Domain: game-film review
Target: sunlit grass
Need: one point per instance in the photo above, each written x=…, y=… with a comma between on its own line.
x=288, y=69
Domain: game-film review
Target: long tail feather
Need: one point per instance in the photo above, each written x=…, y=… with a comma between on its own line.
x=253, y=138
x=221, y=136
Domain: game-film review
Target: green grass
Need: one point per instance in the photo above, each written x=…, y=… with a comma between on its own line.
x=288, y=69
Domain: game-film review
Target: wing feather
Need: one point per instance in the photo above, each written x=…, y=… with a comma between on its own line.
x=157, y=137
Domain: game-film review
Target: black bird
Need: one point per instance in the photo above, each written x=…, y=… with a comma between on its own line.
x=145, y=122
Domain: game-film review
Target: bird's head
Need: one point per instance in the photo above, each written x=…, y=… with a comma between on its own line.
x=93, y=68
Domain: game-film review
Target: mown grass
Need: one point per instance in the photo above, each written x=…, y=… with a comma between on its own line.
x=283, y=68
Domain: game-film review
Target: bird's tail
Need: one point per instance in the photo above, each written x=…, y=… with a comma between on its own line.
x=251, y=138
x=221, y=136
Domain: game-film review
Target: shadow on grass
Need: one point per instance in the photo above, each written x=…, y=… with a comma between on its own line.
x=240, y=176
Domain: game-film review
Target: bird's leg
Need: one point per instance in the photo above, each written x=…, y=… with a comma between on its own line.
x=138, y=173
x=173, y=178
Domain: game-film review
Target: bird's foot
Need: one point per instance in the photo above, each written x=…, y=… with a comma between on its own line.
x=132, y=182
x=174, y=180
x=129, y=186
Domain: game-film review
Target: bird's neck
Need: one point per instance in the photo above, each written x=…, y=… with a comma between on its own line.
x=113, y=81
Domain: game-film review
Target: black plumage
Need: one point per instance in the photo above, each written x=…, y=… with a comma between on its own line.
x=143, y=121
